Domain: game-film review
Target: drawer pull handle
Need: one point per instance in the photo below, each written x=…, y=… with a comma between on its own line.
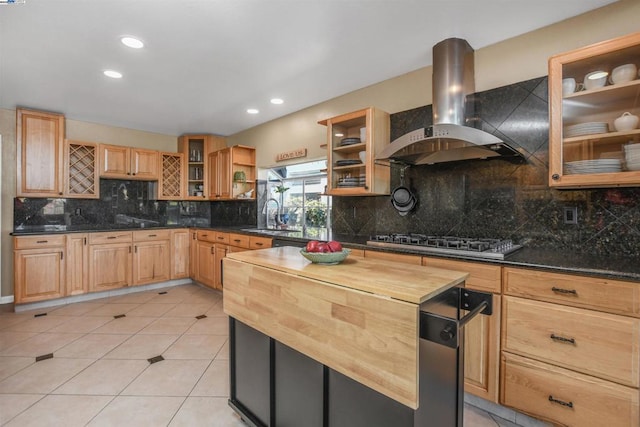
x=42, y=241
x=259, y=244
x=112, y=237
x=236, y=240
x=560, y=402
x=152, y=235
x=562, y=339
x=564, y=291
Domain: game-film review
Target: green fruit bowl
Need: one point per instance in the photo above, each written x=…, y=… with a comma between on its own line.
x=327, y=258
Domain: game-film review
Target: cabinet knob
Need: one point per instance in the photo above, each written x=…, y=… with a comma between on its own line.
x=555, y=177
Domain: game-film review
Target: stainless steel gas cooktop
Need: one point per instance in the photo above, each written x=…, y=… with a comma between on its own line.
x=465, y=246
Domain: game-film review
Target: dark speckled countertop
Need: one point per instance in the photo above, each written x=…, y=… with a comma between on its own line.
x=623, y=268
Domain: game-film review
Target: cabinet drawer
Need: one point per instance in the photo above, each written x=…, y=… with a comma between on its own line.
x=483, y=277
x=143, y=236
x=613, y=296
x=110, y=237
x=256, y=242
x=206, y=236
x=41, y=241
x=566, y=397
x=221, y=237
x=239, y=240
x=600, y=344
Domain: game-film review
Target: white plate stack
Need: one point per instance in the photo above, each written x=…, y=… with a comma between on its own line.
x=593, y=166
x=589, y=128
x=632, y=156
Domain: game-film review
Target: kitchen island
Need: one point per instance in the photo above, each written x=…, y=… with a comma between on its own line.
x=348, y=344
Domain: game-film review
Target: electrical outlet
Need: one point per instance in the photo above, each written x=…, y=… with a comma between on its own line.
x=570, y=215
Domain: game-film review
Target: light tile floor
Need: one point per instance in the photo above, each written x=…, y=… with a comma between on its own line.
x=99, y=374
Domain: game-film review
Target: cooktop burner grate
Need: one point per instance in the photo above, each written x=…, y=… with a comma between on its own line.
x=474, y=247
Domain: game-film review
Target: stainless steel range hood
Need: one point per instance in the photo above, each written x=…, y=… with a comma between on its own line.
x=449, y=139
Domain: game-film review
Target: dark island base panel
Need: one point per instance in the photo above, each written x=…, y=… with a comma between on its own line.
x=274, y=385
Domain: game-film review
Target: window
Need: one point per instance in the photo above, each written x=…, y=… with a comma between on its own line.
x=299, y=189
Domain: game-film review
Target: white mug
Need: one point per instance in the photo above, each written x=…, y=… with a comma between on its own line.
x=623, y=73
x=595, y=79
x=568, y=86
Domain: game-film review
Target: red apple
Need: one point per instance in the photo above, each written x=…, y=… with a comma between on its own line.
x=322, y=247
x=312, y=246
x=334, y=246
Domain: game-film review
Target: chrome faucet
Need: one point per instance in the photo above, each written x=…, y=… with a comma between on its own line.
x=265, y=211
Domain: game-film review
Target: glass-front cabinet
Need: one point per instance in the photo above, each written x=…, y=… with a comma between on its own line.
x=353, y=139
x=594, y=95
x=196, y=149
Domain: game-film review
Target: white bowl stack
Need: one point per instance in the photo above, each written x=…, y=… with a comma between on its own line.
x=632, y=156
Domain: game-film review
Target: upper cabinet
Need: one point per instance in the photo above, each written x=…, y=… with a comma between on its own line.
x=120, y=162
x=593, y=142
x=232, y=173
x=353, y=140
x=40, y=138
x=196, y=149
x=170, y=184
x=80, y=170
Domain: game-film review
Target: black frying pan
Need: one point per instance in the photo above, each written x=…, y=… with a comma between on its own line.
x=402, y=198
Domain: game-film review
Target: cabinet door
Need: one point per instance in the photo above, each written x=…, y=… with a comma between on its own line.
x=81, y=170
x=224, y=173
x=170, y=184
x=206, y=254
x=214, y=177
x=38, y=274
x=221, y=252
x=144, y=164
x=109, y=266
x=180, y=254
x=193, y=254
x=114, y=161
x=77, y=264
x=151, y=262
x=39, y=153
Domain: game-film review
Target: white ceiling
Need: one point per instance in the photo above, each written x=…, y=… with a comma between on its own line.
x=206, y=61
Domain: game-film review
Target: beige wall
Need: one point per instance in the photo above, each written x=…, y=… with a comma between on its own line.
x=514, y=60
x=76, y=130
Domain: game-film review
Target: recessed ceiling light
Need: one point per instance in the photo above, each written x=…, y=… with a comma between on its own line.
x=253, y=111
x=276, y=101
x=113, y=74
x=132, y=42
x=339, y=134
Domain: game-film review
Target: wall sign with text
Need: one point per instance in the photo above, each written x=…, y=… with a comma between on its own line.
x=293, y=154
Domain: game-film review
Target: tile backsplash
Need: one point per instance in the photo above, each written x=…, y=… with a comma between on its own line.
x=499, y=198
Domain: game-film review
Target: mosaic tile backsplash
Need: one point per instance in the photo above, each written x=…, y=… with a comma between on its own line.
x=499, y=198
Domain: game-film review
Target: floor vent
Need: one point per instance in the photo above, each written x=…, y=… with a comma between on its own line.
x=39, y=314
x=202, y=316
x=162, y=293
x=44, y=357
x=118, y=316
x=155, y=359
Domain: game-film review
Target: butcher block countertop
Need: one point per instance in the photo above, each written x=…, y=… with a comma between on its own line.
x=410, y=283
x=359, y=318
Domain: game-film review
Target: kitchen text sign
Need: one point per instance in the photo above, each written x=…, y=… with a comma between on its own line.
x=293, y=154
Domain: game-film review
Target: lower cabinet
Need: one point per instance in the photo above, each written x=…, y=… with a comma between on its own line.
x=109, y=266
x=38, y=268
x=221, y=252
x=206, y=263
x=151, y=256
x=180, y=250
x=77, y=264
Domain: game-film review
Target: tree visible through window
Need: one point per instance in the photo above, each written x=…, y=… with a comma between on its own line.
x=299, y=189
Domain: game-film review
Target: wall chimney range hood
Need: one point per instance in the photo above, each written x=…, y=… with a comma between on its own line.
x=449, y=139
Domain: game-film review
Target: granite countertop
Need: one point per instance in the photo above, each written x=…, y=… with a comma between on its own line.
x=623, y=268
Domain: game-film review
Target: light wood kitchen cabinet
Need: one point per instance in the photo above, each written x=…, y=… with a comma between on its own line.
x=77, y=263
x=570, y=348
x=151, y=256
x=347, y=175
x=39, y=153
x=196, y=149
x=232, y=173
x=122, y=162
x=221, y=252
x=206, y=270
x=582, y=122
x=81, y=178
x=171, y=185
x=38, y=268
x=193, y=253
x=110, y=260
x=482, y=334
x=180, y=251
